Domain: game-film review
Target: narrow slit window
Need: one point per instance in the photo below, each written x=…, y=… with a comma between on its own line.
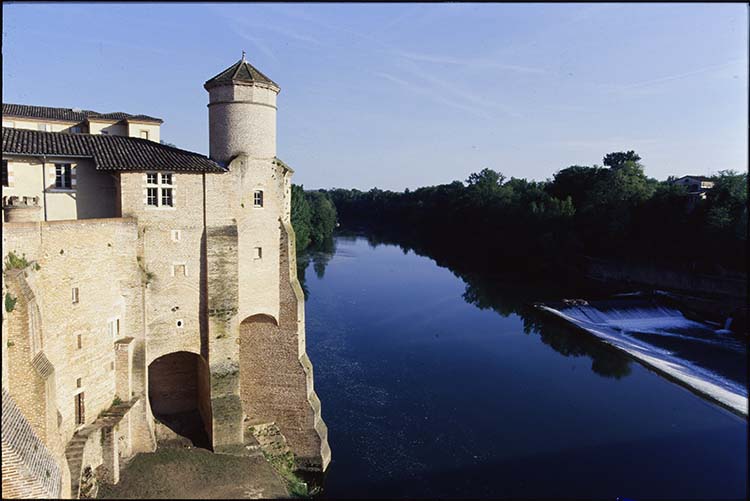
x=74, y=295
x=258, y=253
x=114, y=328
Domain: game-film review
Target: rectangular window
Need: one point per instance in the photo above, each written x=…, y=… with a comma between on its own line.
x=114, y=328
x=258, y=253
x=80, y=416
x=159, y=189
x=258, y=198
x=179, y=270
x=144, y=134
x=63, y=175
x=166, y=196
x=79, y=382
x=79, y=341
x=74, y=295
x=152, y=197
x=76, y=129
x=5, y=173
x=176, y=235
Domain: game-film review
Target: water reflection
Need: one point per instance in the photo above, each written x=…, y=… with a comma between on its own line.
x=498, y=294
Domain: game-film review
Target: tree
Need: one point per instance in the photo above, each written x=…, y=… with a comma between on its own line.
x=620, y=159
x=323, y=217
x=301, y=215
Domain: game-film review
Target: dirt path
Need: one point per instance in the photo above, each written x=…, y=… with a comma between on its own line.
x=198, y=474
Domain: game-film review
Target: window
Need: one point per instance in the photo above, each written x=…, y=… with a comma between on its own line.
x=176, y=235
x=179, y=270
x=74, y=295
x=63, y=176
x=76, y=129
x=114, y=328
x=258, y=198
x=159, y=191
x=105, y=132
x=180, y=324
x=166, y=197
x=80, y=417
x=79, y=382
x=144, y=134
x=79, y=341
x=5, y=173
x=44, y=127
x=257, y=253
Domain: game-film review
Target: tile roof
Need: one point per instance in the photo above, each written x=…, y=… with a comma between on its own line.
x=112, y=153
x=241, y=71
x=68, y=114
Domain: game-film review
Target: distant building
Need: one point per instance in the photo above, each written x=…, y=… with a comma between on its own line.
x=695, y=185
x=75, y=121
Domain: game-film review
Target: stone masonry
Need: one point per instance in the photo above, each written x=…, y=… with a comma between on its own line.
x=195, y=278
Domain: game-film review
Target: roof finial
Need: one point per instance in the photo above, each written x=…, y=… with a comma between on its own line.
x=243, y=56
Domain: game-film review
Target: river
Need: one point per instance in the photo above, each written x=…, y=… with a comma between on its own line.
x=432, y=387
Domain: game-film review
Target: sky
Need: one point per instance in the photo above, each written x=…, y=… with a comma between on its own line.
x=400, y=96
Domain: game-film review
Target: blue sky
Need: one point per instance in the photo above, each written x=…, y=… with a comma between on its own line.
x=410, y=95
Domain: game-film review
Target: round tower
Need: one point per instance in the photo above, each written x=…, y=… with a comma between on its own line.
x=241, y=113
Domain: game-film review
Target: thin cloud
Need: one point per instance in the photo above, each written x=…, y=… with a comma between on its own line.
x=678, y=76
x=473, y=63
x=435, y=96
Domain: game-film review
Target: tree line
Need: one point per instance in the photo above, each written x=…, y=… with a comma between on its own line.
x=313, y=217
x=613, y=210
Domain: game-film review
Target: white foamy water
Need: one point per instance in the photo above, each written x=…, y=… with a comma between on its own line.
x=614, y=326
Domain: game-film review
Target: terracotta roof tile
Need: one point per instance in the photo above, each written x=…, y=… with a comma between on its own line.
x=112, y=153
x=68, y=114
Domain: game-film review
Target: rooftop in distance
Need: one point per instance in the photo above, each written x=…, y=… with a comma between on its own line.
x=70, y=114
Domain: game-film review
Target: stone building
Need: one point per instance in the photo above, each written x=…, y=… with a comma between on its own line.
x=148, y=290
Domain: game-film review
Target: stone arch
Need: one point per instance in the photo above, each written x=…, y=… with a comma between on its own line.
x=179, y=393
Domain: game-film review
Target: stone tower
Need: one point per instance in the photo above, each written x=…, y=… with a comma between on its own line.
x=260, y=372
x=241, y=113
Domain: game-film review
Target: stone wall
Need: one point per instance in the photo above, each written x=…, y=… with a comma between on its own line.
x=60, y=343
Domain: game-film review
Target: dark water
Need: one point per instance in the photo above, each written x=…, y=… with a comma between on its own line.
x=432, y=387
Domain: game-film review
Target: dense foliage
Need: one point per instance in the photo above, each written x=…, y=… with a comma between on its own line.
x=313, y=217
x=607, y=211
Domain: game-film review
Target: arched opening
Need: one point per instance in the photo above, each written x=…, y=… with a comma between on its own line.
x=179, y=392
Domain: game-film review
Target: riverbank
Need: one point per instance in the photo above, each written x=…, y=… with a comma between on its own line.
x=195, y=473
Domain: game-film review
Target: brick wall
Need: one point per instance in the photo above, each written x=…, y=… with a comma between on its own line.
x=28, y=469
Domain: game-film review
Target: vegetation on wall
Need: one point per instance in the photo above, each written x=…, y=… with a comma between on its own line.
x=612, y=211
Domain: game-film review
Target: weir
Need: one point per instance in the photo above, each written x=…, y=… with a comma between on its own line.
x=692, y=353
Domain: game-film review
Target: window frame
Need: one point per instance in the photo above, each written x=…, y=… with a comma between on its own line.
x=258, y=197
x=63, y=177
x=160, y=189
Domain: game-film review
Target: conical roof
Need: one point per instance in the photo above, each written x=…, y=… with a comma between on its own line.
x=239, y=72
